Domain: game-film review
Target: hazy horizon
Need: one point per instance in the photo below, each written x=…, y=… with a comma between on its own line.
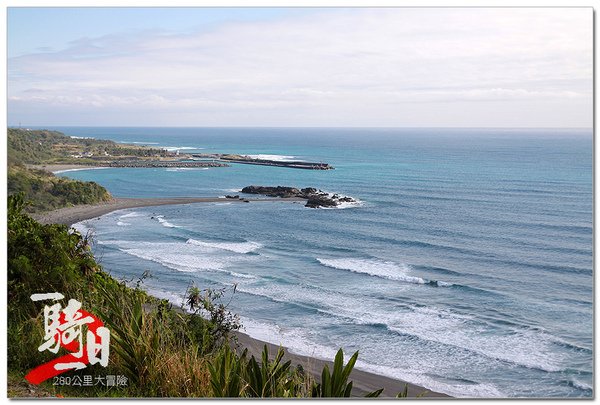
x=282, y=127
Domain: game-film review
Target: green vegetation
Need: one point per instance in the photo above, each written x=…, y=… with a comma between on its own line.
x=336, y=384
x=46, y=191
x=237, y=376
x=43, y=146
x=163, y=351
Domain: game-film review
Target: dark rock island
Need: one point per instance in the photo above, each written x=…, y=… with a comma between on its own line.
x=314, y=198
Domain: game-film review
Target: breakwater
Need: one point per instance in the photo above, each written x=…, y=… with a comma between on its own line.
x=159, y=163
x=267, y=162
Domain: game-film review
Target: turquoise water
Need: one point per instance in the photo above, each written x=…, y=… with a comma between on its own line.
x=466, y=268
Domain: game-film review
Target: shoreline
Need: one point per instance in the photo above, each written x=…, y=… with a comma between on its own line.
x=58, y=168
x=363, y=381
x=77, y=213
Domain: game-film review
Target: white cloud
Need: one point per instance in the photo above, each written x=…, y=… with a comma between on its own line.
x=342, y=67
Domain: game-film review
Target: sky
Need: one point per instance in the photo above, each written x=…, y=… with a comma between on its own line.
x=310, y=67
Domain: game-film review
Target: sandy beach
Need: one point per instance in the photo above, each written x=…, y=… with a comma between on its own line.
x=62, y=167
x=72, y=215
x=363, y=381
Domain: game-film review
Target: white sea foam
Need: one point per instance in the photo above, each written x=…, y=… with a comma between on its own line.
x=524, y=348
x=81, y=137
x=176, y=148
x=79, y=169
x=389, y=270
x=343, y=205
x=279, y=158
x=178, y=261
x=295, y=339
x=186, y=169
x=121, y=223
x=299, y=341
x=242, y=275
x=133, y=214
x=581, y=385
x=161, y=219
x=184, y=257
x=187, y=263
x=175, y=299
x=480, y=390
x=325, y=301
x=241, y=247
x=81, y=227
x=138, y=143
x=529, y=349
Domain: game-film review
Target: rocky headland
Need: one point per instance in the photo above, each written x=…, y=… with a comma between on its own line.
x=314, y=198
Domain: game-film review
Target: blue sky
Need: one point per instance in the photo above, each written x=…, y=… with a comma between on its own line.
x=395, y=67
x=34, y=29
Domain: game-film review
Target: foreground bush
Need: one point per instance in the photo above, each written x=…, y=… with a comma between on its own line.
x=160, y=350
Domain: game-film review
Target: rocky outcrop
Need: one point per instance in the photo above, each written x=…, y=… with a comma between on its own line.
x=279, y=191
x=314, y=198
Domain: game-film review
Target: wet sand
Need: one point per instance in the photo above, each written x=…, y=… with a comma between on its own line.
x=78, y=213
x=63, y=167
x=363, y=382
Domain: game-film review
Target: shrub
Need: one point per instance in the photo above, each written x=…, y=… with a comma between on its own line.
x=336, y=384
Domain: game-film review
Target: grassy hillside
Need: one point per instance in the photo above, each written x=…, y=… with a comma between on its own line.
x=46, y=191
x=42, y=146
x=42, y=189
x=162, y=352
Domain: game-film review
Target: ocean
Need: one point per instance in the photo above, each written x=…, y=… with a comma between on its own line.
x=466, y=267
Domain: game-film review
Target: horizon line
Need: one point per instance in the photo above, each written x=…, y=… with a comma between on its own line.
x=291, y=127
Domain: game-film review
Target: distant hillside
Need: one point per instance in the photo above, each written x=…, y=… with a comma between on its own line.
x=44, y=191
x=44, y=146
x=31, y=147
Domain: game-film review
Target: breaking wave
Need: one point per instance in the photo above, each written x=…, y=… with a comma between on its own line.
x=186, y=169
x=241, y=247
x=280, y=158
x=161, y=219
x=376, y=268
x=182, y=257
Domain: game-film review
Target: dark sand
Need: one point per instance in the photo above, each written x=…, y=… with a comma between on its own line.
x=72, y=215
x=363, y=381
x=61, y=167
